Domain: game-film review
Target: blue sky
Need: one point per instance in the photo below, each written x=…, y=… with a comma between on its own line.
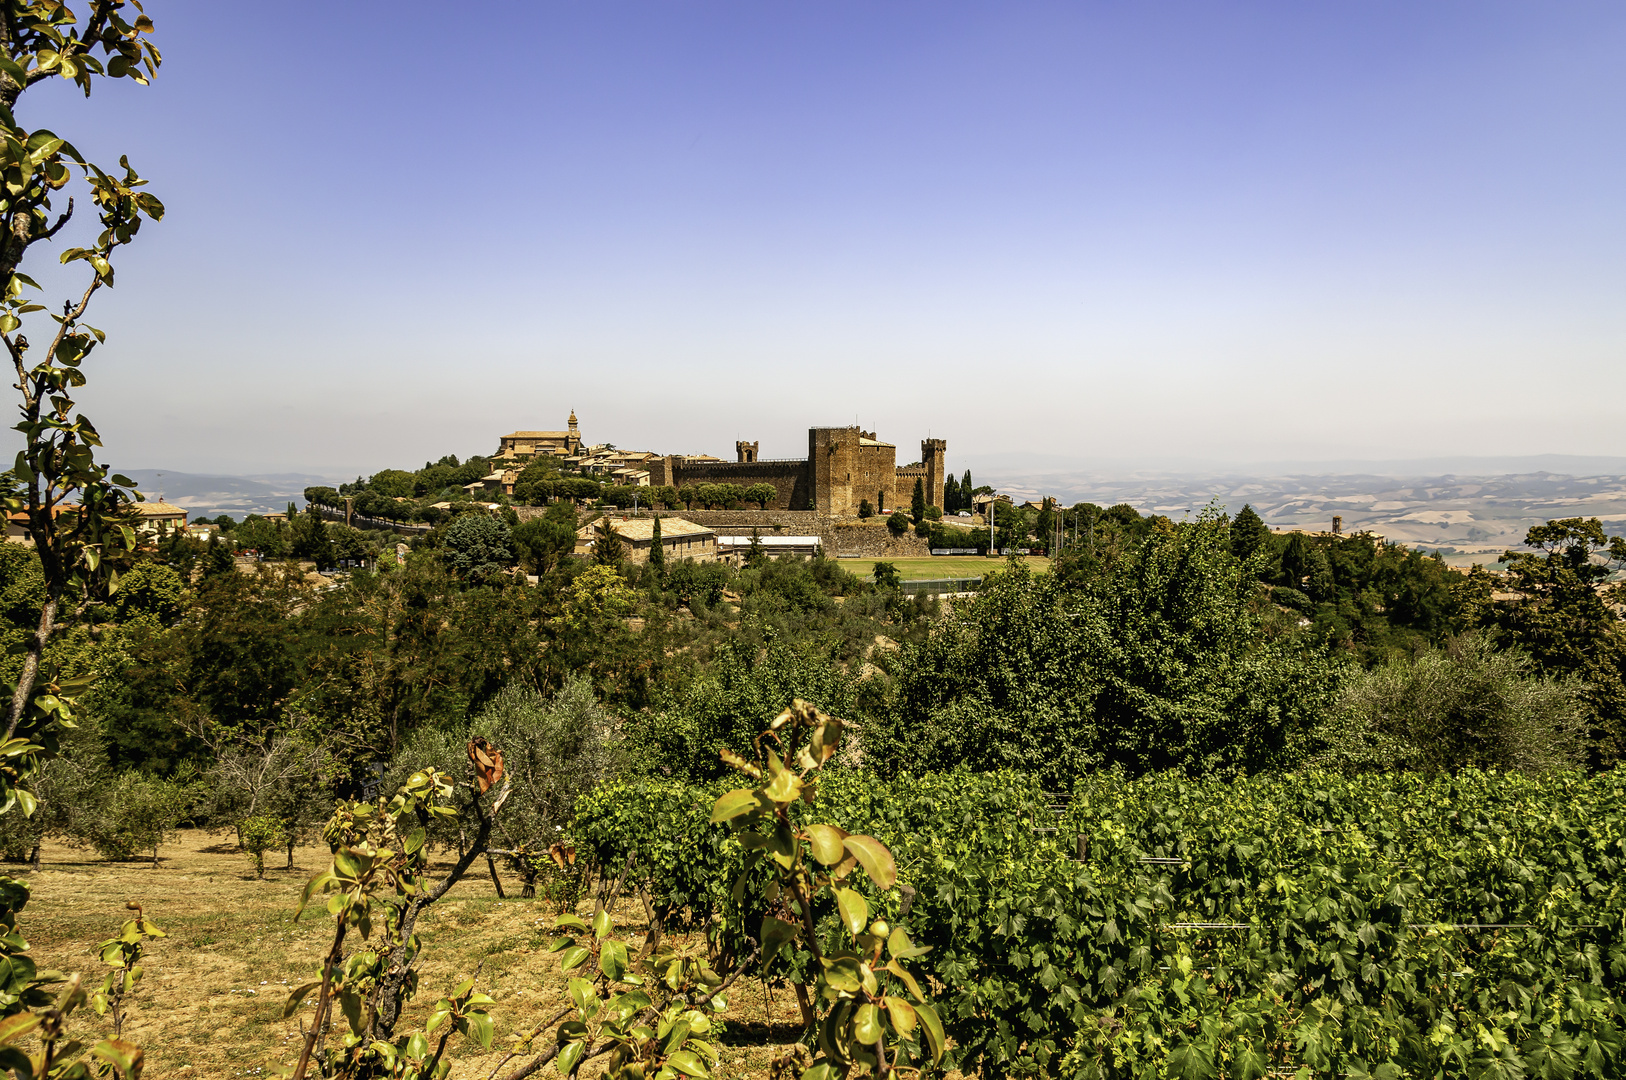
x=1207, y=231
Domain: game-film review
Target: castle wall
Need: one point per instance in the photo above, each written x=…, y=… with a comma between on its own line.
x=845, y=466
x=872, y=542
x=829, y=459
x=876, y=476
x=849, y=467
x=789, y=478
x=934, y=454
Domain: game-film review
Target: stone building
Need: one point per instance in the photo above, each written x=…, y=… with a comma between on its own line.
x=844, y=467
x=159, y=516
x=680, y=539
x=528, y=444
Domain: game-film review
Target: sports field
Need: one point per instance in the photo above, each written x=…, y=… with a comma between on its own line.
x=940, y=566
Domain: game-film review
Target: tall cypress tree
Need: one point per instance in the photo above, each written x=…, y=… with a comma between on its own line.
x=1248, y=533
x=657, y=555
x=917, y=502
x=606, y=544
x=951, y=495
x=217, y=557
x=966, y=490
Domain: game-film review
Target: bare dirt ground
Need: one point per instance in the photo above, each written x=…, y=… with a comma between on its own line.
x=210, y=1004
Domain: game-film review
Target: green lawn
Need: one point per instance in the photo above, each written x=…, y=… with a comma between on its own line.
x=939, y=566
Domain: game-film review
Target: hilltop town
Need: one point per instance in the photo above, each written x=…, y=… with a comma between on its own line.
x=843, y=469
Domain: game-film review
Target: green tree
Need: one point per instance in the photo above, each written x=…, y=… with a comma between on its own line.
x=897, y=523
x=917, y=502
x=1467, y=706
x=722, y=707
x=1045, y=524
x=657, y=550
x=1563, y=620
x=755, y=556
x=433, y=479
x=865, y=510
x=56, y=464
x=542, y=541
x=1249, y=533
x=217, y=556
x=1159, y=663
x=261, y=534
x=152, y=590
x=349, y=545
x=393, y=484
x=608, y=549
x=308, y=539
x=555, y=751
x=478, y=546
x=887, y=577
x=761, y=494
x=951, y=495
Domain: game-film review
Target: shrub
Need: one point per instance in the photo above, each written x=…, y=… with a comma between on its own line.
x=260, y=834
x=1461, y=707
x=132, y=814
x=1289, y=597
x=897, y=523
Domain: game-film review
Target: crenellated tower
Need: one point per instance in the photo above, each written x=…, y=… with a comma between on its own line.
x=933, y=454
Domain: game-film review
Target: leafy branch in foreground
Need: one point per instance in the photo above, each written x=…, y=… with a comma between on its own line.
x=74, y=507
x=123, y=954
x=376, y=886
x=656, y=1015
x=869, y=1012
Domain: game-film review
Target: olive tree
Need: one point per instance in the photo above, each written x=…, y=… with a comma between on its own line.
x=557, y=749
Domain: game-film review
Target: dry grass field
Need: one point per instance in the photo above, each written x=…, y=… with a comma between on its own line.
x=211, y=1001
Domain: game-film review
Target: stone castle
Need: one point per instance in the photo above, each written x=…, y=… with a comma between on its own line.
x=844, y=467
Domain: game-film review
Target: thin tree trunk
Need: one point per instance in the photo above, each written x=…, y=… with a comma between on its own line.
x=608, y=897
x=34, y=859
x=656, y=925
x=391, y=986
x=491, y=865
x=290, y=865
x=31, y=666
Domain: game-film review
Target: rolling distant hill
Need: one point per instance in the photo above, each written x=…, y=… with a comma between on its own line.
x=1469, y=514
x=238, y=496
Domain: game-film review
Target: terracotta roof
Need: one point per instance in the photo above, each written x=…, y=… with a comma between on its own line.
x=159, y=509
x=643, y=529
